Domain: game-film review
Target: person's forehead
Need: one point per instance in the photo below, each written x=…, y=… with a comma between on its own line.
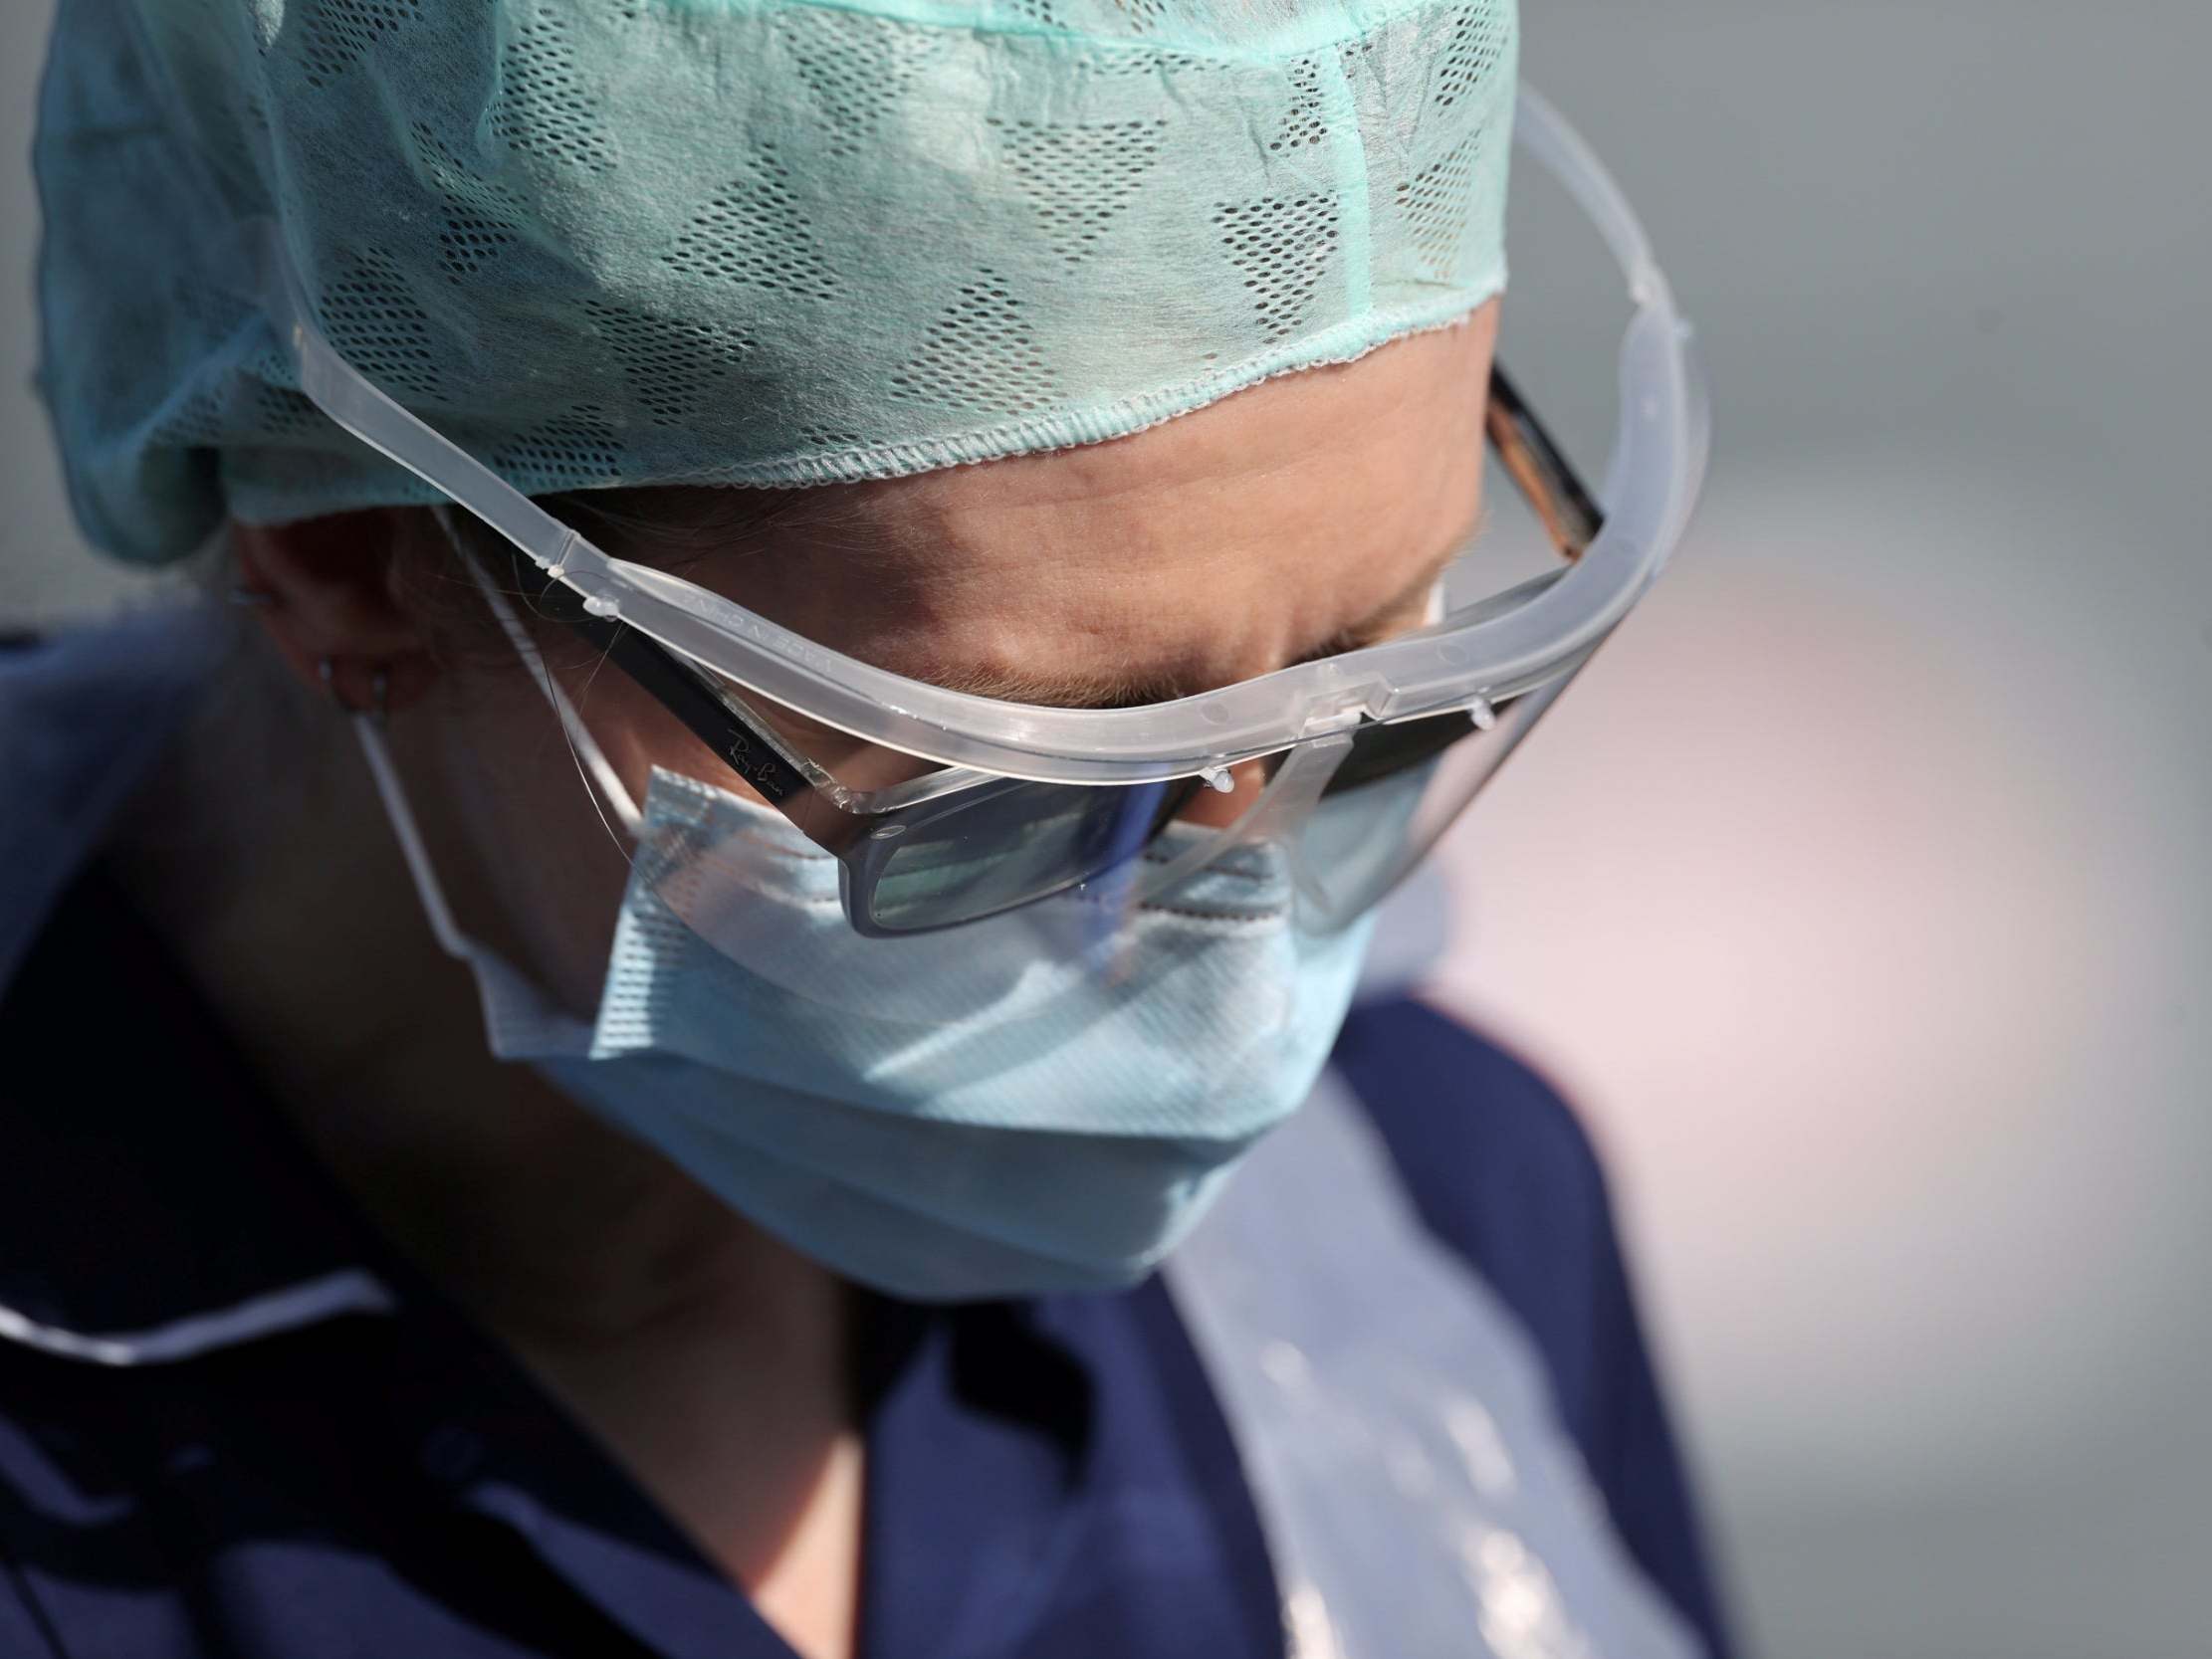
x=1218, y=545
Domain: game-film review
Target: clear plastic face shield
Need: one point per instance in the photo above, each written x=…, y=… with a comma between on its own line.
x=1039, y=835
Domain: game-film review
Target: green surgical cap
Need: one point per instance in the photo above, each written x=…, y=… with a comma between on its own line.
x=742, y=241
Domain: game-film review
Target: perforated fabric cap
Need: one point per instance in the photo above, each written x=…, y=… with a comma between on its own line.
x=624, y=242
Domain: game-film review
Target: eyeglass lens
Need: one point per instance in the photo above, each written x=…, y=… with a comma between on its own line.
x=1005, y=848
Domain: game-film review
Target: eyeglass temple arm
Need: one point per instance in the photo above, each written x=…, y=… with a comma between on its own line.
x=715, y=719
x=1555, y=490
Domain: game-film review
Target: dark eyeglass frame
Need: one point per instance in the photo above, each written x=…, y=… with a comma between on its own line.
x=867, y=829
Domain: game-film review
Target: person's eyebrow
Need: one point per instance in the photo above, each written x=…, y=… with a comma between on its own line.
x=1109, y=689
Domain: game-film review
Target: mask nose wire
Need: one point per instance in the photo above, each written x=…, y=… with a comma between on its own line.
x=600, y=775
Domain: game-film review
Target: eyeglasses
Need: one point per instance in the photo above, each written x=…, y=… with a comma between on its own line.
x=960, y=843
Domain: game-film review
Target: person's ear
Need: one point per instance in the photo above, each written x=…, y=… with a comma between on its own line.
x=322, y=589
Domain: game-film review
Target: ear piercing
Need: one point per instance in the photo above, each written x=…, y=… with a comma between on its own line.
x=379, y=709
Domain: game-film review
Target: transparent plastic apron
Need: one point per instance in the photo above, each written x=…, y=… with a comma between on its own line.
x=1419, y=1496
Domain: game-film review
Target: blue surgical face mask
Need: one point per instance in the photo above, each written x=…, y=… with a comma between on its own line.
x=990, y=1124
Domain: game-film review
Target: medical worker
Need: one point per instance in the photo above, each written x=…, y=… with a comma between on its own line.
x=686, y=1009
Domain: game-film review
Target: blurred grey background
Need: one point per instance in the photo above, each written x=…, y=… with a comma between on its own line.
x=1858, y=890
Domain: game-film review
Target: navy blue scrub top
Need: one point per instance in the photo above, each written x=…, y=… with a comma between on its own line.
x=1046, y=1478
